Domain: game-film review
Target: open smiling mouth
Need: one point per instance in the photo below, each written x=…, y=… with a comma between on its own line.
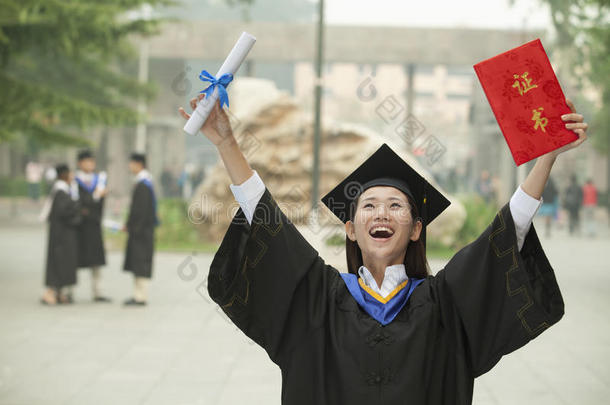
x=381, y=233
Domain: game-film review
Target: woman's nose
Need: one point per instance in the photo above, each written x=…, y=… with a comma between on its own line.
x=381, y=212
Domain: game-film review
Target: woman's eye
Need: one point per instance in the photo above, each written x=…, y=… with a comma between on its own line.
x=367, y=205
x=396, y=205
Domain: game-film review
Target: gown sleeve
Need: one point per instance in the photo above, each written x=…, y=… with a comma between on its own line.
x=67, y=210
x=495, y=298
x=248, y=194
x=269, y=280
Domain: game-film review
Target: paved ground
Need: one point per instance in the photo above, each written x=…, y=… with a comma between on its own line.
x=181, y=350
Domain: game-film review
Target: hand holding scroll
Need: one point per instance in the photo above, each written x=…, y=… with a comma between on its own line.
x=217, y=127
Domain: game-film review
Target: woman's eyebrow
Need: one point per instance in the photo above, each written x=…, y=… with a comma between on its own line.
x=389, y=198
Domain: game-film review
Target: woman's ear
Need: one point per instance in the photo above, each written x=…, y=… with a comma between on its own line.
x=416, y=231
x=350, y=231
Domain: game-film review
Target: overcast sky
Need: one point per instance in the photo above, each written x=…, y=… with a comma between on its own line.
x=435, y=13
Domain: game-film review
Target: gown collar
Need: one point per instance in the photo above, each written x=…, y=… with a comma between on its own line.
x=61, y=185
x=85, y=177
x=88, y=181
x=394, y=276
x=382, y=309
x=142, y=175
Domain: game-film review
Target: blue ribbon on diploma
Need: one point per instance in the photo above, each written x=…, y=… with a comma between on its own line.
x=221, y=83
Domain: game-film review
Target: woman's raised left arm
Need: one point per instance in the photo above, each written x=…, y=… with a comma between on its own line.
x=499, y=292
x=525, y=202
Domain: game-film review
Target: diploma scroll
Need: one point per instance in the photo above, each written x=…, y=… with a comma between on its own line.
x=102, y=179
x=231, y=64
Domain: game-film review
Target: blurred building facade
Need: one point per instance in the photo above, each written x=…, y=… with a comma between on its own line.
x=423, y=75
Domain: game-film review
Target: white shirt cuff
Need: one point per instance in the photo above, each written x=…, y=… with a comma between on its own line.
x=248, y=194
x=523, y=208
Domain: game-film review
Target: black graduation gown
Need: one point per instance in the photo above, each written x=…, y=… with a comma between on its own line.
x=141, y=229
x=90, y=241
x=61, y=247
x=489, y=300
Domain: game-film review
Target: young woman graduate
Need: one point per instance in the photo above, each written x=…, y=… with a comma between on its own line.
x=387, y=332
x=62, y=211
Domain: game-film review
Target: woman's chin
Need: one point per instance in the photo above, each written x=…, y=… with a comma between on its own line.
x=381, y=252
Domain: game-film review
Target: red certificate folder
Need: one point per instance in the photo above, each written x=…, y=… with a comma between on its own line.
x=527, y=101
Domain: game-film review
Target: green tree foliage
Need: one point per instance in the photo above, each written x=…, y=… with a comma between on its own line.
x=583, y=32
x=62, y=66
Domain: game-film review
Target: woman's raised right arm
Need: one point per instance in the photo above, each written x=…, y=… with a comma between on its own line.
x=266, y=277
x=217, y=129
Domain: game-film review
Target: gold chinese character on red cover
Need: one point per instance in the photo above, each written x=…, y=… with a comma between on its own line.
x=539, y=120
x=524, y=85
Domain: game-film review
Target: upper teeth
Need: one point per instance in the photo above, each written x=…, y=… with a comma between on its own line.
x=381, y=228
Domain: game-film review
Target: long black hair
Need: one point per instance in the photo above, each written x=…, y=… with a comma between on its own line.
x=415, y=262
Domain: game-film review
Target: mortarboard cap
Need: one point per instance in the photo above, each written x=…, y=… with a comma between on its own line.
x=386, y=168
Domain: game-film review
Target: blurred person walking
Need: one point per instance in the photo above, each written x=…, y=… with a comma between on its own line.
x=62, y=211
x=141, y=228
x=92, y=190
x=484, y=187
x=572, y=203
x=33, y=176
x=185, y=182
x=49, y=177
x=589, y=202
x=197, y=178
x=168, y=183
x=550, y=203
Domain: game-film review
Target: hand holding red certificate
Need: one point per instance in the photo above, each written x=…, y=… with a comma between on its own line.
x=575, y=123
x=528, y=102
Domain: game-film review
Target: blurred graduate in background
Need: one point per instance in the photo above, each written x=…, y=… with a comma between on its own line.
x=92, y=190
x=141, y=228
x=62, y=211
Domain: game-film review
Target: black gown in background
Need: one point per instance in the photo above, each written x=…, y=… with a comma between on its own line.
x=489, y=300
x=90, y=241
x=141, y=229
x=62, y=258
